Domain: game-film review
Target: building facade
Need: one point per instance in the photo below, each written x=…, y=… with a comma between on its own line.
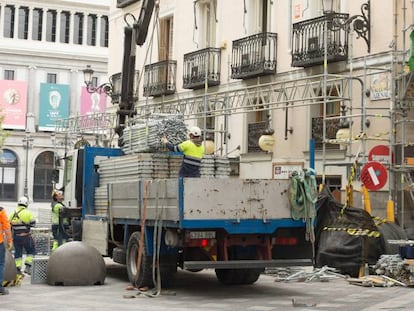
x=305, y=69
x=44, y=47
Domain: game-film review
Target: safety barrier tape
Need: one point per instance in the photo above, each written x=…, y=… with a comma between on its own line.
x=356, y=231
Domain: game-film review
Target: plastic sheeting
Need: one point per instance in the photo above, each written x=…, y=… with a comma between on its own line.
x=346, y=238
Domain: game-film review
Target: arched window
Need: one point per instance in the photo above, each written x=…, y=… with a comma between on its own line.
x=8, y=168
x=43, y=172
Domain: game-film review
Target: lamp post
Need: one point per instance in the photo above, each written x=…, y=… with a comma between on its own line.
x=360, y=23
x=111, y=88
x=27, y=143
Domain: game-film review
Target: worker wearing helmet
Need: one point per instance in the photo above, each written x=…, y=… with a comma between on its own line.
x=193, y=151
x=22, y=220
x=6, y=242
x=60, y=224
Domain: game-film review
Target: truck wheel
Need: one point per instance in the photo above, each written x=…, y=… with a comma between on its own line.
x=238, y=276
x=250, y=276
x=119, y=255
x=229, y=276
x=145, y=273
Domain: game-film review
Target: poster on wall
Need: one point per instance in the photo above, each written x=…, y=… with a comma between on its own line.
x=13, y=104
x=53, y=105
x=285, y=170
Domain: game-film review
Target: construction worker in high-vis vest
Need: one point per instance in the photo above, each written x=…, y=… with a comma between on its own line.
x=6, y=243
x=193, y=151
x=22, y=220
x=60, y=224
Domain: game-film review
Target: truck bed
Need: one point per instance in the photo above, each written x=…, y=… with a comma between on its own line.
x=234, y=204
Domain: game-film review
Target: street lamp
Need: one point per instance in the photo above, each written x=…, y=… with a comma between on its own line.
x=27, y=143
x=111, y=88
x=360, y=23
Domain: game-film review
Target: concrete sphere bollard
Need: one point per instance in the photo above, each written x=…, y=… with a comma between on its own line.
x=76, y=263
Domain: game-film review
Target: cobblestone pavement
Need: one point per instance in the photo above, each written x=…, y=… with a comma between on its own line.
x=202, y=292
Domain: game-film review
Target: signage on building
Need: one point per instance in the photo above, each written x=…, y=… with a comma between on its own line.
x=13, y=103
x=380, y=86
x=92, y=102
x=53, y=105
x=285, y=170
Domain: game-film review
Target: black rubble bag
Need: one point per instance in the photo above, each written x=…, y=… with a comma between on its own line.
x=346, y=238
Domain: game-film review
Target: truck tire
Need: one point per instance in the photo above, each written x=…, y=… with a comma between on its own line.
x=238, y=276
x=229, y=276
x=145, y=274
x=250, y=276
x=119, y=255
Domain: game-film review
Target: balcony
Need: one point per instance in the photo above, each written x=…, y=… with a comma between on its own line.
x=254, y=56
x=308, y=47
x=317, y=132
x=160, y=78
x=201, y=66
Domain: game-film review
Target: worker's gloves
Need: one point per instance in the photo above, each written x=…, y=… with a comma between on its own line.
x=164, y=140
x=9, y=246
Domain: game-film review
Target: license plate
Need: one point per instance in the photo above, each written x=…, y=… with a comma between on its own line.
x=202, y=234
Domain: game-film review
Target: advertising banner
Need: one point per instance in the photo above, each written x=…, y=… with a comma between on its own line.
x=13, y=103
x=53, y=105
x=92, y=102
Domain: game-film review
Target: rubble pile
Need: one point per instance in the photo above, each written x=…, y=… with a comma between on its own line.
x=393, y=266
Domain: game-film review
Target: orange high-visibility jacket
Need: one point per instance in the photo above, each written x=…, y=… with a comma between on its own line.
x=4, y=227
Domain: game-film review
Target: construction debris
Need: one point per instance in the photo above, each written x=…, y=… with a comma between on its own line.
x=323, y=274
x=394, y=268
x=374, y=281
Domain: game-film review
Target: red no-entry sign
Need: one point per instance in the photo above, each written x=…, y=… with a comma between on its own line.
x=374, y=175
x=380, y=153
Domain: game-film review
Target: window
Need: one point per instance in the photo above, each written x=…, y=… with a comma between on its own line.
x=166, y=39
x=51, y=20
x=332, y=107
x=9, y=17
x=8, y=74
x=207, y=23
x=258, y=122
x=43, y=174
x=91, y=31
x=64, y=26
x=104, y=31
x=78, y=28
x=124, y=3
x=37, y=24
x=51, y=78
x=23, y=23
x=321, y=127
x=8, y=169
x=257, y=16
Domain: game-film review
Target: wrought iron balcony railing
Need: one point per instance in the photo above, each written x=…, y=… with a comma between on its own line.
x=160, y=78
x=308, y=44
x=254, y=56
x=200, y=67
x=331, y=126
